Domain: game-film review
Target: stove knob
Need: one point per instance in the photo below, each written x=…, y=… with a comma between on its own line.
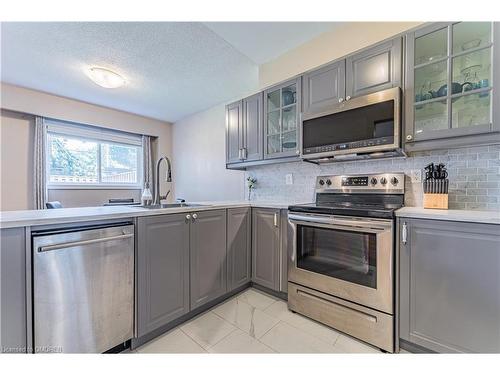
x=328, y=182
x=373, y=181
x=394, y=181
x=321, y=182
x=383, y=181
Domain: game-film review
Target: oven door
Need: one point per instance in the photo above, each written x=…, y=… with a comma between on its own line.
x=347, y=257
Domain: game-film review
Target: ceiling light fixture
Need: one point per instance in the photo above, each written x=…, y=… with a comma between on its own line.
x=106, y=78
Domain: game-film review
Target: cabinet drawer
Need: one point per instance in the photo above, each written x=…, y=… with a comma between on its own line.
x=369, y=325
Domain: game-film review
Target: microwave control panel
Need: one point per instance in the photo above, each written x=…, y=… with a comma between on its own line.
x=349, y=146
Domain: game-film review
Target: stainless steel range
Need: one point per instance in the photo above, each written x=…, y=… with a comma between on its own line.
x=341, y=268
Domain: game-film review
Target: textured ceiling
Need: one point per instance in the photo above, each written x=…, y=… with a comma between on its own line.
x=264, y=41
x=172, y=69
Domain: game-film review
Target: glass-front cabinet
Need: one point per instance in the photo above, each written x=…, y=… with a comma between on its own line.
x=450, y=83
x=281, y=120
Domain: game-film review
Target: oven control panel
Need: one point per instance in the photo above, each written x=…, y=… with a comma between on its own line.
x=355, y=181
x=366, y=183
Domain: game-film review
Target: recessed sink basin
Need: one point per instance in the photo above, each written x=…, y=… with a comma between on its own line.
x=169, y=205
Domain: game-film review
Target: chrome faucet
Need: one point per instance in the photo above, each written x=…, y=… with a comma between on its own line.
x=158, y=196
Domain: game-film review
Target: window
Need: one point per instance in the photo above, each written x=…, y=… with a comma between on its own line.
x=83, y=156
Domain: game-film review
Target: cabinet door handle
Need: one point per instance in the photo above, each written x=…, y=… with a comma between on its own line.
x=83, y=243
x=244, y=153
x=275, y=219
x=341, y=100
x=347, y=97
x=188, y=217
x=195, y=216
x=404, y=233
x=409, y=137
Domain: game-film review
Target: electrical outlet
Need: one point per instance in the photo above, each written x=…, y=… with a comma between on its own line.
x=416, y=176
x=289, y=179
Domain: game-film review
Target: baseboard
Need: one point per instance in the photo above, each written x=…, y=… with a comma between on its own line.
x=280, y=295
x=413, y=348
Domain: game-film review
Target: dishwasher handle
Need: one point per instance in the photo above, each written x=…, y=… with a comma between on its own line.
x=83, y=242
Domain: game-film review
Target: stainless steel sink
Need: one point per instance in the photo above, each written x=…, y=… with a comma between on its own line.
x=169, y=205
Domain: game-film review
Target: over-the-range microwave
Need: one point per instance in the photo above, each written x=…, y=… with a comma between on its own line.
x=363, y=127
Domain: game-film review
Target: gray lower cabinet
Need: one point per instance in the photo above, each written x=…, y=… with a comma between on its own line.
x=374, y=69
x=239, y=247
x=266, y=247
x=450, y=285
x=13, y=291
x=323, y=87
x=162, y=270
x=208, y=256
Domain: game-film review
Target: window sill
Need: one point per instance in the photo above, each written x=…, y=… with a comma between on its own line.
x=94, y=187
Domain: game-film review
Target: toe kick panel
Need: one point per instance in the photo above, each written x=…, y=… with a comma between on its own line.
x=369, y=325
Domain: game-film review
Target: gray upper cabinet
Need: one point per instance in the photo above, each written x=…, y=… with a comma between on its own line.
x=13, y=328
x=244, y=130
x=374, y=69
x=162, y=270
x=324, y=87
x=208, y=256
x=450, y=285
x=266, y=247
x=239, y=250
x=451, y=70
x=282, y=105
x=234, y=132
x=252, y=128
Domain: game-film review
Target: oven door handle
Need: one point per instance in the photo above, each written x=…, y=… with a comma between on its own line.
x=336, y=223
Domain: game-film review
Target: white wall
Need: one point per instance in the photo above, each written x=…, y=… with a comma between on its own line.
x=16, y=164
x=327, y=47
x=199, y=172
x=199, y=140
x=17, y=142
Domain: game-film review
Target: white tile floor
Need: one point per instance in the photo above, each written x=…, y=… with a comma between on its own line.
x=254, y=322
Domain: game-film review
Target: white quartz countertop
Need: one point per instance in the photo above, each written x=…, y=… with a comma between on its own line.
x=22, y=218
x=489, y=217
x=12, y=219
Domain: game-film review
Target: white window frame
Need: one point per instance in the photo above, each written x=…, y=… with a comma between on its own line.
x=99, y=135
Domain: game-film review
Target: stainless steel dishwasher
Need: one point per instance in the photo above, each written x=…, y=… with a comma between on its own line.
x=83, y=288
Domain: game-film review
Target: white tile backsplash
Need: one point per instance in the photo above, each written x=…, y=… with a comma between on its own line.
x=474, y=175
